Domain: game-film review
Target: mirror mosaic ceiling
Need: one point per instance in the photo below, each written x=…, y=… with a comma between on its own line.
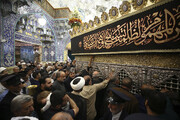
x=88, y=9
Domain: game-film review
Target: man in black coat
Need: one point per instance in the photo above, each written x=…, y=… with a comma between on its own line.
x=116, y=106
x=14, y=86
x=69, y=79
x=77, y=84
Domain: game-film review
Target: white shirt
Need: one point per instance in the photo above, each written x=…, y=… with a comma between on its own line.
x=116, y=116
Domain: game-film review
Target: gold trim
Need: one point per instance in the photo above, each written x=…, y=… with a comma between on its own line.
x=125, y=8
x=113, y=12
x=138, y=51
x=91, y=23
x=74, y=32
x=62, y=8
x=86, y=26
x=82, y=28
x=75, y=28
x=78, y=30
x=97, y=21
x=104, y=17
x=127, y=15
x=136, y=2
x=70, y=32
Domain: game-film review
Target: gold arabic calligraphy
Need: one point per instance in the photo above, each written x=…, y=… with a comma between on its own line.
x=159, y=27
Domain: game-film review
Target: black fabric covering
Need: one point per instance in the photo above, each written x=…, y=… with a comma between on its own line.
x=154, y=29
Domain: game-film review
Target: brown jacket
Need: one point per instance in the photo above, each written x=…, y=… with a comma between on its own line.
x=89, y=93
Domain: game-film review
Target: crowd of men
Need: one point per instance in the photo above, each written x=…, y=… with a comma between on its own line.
x=56, y=91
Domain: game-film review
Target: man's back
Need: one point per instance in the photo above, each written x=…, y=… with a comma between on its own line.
x=81, y=103
x=89, y=93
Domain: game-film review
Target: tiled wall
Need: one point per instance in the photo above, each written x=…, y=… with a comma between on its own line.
x=9, y=23
x=8, y=34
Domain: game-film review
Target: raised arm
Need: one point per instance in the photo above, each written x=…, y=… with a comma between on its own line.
x=73, y=105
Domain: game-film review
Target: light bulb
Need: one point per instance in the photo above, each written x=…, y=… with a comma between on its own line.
x=42, y=21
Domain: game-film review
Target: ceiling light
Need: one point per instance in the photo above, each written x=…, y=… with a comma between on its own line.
x=41, y=21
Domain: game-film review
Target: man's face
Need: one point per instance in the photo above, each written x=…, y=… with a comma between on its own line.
x=27, y=109
x=16, y=69
x=114, y=108
x=39, y=75
x=48, y=84
x=72, y=75
x=15, y=88
x=62, y=77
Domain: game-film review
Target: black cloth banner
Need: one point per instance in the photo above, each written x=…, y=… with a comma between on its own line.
x=155, y=30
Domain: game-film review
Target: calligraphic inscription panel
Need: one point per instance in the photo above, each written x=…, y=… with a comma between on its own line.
x=156, y=29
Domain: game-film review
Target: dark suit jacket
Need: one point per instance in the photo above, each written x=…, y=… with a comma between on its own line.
x=81, y=103
x=108, y=115
x=58, y=86
x=131, y=106
x=67, y=84
x=5, y=110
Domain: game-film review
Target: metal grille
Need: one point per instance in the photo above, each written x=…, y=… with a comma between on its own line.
x=172, y=84
x=122, y=74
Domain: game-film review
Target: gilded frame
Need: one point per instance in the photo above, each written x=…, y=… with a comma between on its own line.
x=104, y=17
x=139, y=4
x=113, y=13
x=125, y=8
x=91, y=23
x=97, y=21
x=86, y=26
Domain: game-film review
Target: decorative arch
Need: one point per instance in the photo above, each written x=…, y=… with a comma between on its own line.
x=51, y=50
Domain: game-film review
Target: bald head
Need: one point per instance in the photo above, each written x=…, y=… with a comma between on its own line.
x=62, y=116
x=127, y=83
x=87, y=79
x=147, y=86
x=146, y=89
x=95, y=74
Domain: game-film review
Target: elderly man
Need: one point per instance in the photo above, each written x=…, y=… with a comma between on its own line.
x=14, y=86
x=62, y=116
x=22, y=105
x=116, y=106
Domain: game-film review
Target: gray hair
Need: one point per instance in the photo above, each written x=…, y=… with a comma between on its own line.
x=62, y=116
x=16, y=103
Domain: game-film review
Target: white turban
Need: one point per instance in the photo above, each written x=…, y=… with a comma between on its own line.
x=79, y=85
